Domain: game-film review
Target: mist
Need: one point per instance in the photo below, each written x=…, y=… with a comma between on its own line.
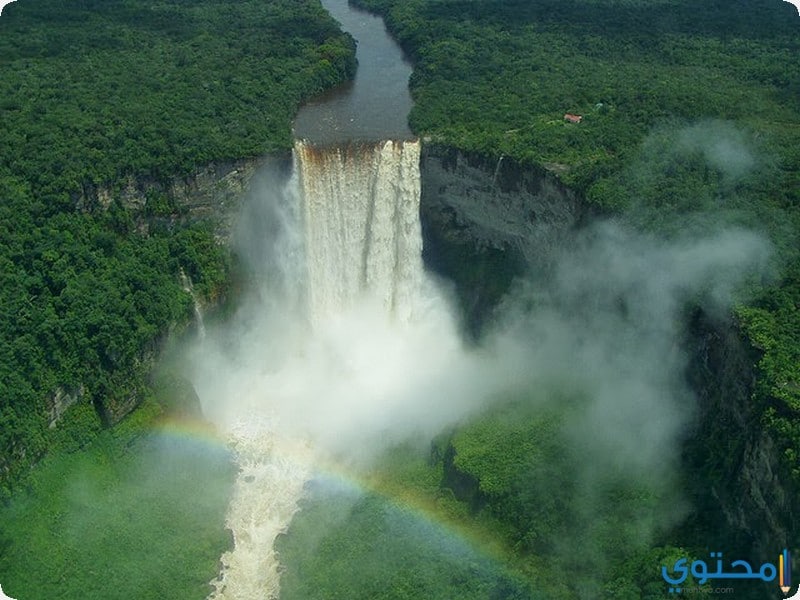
x=597, y=340
x=609, y=324
x=351, y=382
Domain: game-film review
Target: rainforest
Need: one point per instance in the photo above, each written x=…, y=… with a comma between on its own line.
x=271, y=328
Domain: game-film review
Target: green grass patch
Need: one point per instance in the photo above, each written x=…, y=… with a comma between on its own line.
x=355, y=545
x=138, y=513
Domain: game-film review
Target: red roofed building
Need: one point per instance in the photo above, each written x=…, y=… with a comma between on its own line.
x=573, y=118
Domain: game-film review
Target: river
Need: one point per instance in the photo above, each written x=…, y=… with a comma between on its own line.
x=375, y=105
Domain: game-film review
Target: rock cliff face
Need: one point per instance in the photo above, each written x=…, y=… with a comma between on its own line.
x=497, y=202
x=738, y=486
x=213, y=192
x=60, y=401
x=486, y=220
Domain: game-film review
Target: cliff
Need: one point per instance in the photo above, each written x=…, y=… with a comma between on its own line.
x=486, y=221
x=212, y=192
x=738, y=486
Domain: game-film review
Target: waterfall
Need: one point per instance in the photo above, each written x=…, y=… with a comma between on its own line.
x=361, y=225
x=360, y=275
x=186, y=283
x=497, y=170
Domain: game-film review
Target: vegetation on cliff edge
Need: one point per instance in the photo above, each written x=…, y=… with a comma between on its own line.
x=90, y=93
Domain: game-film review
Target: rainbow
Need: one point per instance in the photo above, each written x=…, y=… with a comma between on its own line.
x=423, y=508
x=191, y=430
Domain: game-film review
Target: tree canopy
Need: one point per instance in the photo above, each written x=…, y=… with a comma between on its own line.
x=94, y=92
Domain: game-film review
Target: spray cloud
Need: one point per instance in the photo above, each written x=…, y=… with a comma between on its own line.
x=346, y=347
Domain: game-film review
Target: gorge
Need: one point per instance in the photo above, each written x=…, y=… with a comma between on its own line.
x=434, y=372
x=349, y=347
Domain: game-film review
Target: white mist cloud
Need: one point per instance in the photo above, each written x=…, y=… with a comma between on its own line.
x=607, y=322
x=600, y=342
x=724, y=147
x=360, y=381
x=608, y=325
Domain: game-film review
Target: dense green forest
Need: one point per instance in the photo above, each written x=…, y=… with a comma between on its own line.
x=91, y=92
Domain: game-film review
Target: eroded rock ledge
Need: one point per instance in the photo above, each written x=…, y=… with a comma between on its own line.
x=211, y=193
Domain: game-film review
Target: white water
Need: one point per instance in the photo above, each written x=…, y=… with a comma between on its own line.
x=272, y=472
x=338, y=375
x=188, y=287
x=362, y=229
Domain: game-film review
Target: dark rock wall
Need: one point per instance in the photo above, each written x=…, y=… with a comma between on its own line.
x=211, y=193
x=497, y=202
x=486, y=221
x=742, y=500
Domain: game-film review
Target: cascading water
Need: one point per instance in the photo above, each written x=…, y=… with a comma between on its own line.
x=361, y=223
x=361, y=263
x=186, y=283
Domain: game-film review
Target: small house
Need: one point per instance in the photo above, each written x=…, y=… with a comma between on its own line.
x=573, y=118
